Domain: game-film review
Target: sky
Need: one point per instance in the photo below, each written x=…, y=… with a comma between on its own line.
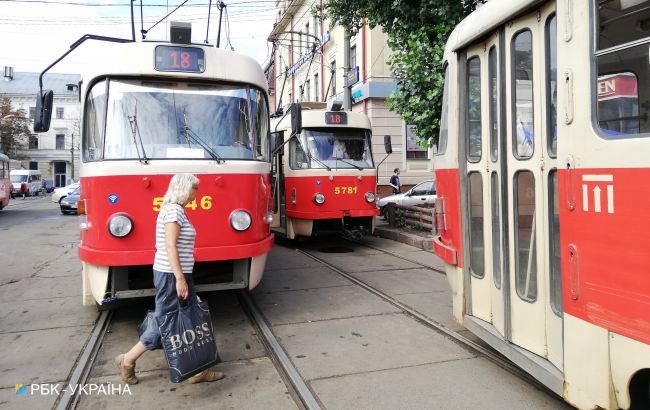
x=34, y=33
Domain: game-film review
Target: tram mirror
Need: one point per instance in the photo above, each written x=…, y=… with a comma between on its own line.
x=296, y=119
x=43, y=111
x=388, y=145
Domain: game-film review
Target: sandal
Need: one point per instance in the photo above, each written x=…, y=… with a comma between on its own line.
x=126, y=372
x=206, y=376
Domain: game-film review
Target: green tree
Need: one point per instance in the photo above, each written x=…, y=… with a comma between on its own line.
x=14, y=128
x=417, y=31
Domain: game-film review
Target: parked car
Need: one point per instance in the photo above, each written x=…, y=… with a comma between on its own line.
x=48, y=186
x=421, y=194
x=60, y=193
x=68, y=204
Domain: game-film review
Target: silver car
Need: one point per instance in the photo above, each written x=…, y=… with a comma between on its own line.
x=421, y=194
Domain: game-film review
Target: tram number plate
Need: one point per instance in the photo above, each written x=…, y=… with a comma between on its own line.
x=345, y=190
x=183, y=59
x=205, y=203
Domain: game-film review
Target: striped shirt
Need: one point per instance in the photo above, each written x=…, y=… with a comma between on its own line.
x=174, y=213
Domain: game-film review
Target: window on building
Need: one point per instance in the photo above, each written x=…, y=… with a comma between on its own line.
x=316, y=26
x=353, y=57
x=316, y=85
x=32, y=112
x=33, y=141
x=413, y=150
x=306, y=90
x=33, y=165
x=60, y=141
x=59, y=113
x=333, y=77
x=308, y=40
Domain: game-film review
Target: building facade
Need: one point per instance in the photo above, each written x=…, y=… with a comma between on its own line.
x=308, y=65
x=56, y=152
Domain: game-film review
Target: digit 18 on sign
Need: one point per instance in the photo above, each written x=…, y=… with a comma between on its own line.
x=174, y=58
x=337, y=118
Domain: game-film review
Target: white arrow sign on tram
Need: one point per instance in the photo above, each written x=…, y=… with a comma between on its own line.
x=597, y=190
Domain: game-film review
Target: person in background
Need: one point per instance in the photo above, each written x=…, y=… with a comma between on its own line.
x=172, y=273
x=394, y=181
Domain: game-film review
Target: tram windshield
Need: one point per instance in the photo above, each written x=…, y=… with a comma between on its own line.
x=174, y=120
x=333, y=148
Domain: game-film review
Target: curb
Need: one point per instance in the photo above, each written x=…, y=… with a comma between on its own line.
x=422, y=242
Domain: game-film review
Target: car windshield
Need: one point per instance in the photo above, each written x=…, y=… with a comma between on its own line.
x=18, y=178
x=334, y=148
x=174, y=120
x=425, y=188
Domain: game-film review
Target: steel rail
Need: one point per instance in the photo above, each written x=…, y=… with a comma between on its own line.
x=457, y=337
x=85, y=360
x=279, y=356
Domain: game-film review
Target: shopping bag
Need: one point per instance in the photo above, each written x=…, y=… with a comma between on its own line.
x=188, y=340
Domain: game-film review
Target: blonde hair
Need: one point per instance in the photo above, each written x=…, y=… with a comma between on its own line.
x=180, y=188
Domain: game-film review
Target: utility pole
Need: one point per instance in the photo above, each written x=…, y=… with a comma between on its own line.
x=72, y=157
x=347, y=92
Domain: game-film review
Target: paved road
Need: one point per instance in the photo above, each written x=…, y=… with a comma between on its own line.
x=353, y=349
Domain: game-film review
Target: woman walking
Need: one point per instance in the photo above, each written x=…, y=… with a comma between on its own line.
x=172, y=273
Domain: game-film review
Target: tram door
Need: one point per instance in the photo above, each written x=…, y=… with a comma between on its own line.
x=482, y=102
x=530, y=66
x=510, y=147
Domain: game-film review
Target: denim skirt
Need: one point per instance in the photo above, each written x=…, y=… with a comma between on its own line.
x=166, y=301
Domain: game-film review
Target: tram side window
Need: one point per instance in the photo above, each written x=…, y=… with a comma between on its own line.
x=554, y=244
x=261, y=123
x=477, y=256
x=623, y=81
x=94, y=115
x=522, y=74
x=444, y=130
x=494, y=108
x=474, y=109
x=525, y=233
x=551, y=85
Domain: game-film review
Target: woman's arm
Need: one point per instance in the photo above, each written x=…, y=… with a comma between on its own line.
x=172, y=232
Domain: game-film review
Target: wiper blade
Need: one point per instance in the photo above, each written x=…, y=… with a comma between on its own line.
x=135, y=130
x=311, y=157
x=191, y=135
x=349, y=163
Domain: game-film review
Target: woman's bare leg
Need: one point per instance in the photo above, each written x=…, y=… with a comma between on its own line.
x=134, y=354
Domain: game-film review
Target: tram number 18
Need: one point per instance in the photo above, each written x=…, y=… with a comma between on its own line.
x=342, y=190
x=205, y=203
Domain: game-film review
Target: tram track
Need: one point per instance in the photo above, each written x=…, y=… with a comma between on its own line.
x=493, y=357
x=299, y=390
x=85, y=360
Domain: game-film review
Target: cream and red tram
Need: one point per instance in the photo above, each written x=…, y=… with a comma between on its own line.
x=150, y=110
x=326, y=177
x=542, y=196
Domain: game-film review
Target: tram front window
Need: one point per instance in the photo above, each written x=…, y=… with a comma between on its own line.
x=325, y=148
x=175, y=120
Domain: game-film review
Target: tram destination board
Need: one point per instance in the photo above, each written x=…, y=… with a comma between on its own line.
x=183, y=59
x=337, y=118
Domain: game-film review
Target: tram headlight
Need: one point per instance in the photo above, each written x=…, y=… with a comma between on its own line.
x=120, y=225
x=370, y=197
x=269, y=217
x=319, y=198
x=240, y=220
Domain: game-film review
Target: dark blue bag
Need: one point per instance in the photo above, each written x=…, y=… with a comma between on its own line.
x=188, y=340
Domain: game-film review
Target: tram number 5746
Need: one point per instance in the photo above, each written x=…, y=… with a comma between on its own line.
x=205, y=203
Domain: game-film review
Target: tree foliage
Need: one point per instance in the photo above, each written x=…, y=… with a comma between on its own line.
x=14, y=128
x=417, y=31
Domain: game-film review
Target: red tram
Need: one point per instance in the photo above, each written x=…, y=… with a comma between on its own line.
x=326, y=177
x=542, y=201
x=150, y=110
x=5, y=184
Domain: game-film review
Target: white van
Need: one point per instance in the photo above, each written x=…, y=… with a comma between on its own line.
x=31, y=177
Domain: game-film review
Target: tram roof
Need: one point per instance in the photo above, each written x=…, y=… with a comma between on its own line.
x=484, y=20
x=219, y=64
